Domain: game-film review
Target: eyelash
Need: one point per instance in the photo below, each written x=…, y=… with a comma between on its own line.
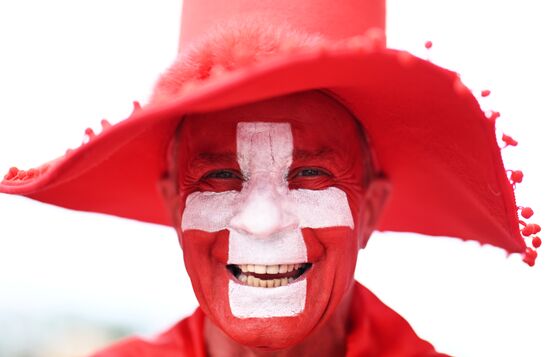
x=316, y=170
x=213, y=174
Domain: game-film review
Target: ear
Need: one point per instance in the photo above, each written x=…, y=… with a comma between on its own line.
x=371, y=207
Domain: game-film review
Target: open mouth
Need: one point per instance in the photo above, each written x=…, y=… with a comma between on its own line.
x=268, y=276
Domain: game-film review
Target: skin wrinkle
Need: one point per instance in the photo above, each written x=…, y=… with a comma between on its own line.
x=323, y=153
x=317, y=153
x=208, y=158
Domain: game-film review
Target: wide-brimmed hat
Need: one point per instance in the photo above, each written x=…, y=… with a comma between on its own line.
x=426, y=129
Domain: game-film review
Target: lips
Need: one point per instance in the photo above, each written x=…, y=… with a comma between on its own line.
x=268, y=276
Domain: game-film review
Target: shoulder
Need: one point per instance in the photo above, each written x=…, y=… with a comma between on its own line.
x=183, y=339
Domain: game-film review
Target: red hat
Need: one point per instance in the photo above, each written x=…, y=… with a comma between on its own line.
x=427, y=131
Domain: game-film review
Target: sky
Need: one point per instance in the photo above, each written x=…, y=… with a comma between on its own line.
x=65, y=65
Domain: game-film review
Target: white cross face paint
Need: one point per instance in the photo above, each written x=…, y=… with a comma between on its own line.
x=265, y=218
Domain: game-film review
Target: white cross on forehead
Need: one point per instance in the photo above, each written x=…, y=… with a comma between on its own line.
x=265, y=218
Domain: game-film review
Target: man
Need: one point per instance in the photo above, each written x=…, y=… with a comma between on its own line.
x=274, y=215
x=257, y=196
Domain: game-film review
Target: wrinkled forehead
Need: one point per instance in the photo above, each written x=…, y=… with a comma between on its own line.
x=319, y=125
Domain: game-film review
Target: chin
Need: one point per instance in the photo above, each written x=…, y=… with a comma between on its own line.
x=325, y=278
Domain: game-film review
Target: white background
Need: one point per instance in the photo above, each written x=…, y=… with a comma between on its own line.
x=64, y=65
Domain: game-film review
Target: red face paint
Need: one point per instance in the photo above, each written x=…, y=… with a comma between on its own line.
x=224, y=184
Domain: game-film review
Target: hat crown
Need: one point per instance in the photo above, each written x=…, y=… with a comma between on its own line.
x=332, y=19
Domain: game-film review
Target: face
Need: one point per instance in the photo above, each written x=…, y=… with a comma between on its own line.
x=274, y=201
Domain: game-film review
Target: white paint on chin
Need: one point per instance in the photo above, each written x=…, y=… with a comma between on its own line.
x=265, y=218
x=248, y=301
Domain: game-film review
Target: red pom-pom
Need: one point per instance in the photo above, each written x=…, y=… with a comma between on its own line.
x=485, y=93
x=508, y=140
x=531, y=228
x=89, y=132
x=536, y=242
x=428, y=44
x=530, y=256
x=527, y=212
x=105, y=124
x=13, y=171
x=32, y=173
x=516, y=176
x=21, y=175
x=137, y=106
x=494, y=116
x=527, y=230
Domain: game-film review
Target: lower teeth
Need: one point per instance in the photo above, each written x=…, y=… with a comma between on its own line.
x=267, y=283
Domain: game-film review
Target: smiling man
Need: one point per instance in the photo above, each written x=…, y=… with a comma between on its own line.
x=275, y=212
x=272, y=201
x=254, y=148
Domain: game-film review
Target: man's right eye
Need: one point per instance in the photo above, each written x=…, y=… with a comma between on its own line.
x=223, y=175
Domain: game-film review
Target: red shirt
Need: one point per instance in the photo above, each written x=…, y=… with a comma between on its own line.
x=374, y=330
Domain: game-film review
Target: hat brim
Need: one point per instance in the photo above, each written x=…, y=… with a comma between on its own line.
x=429, y=135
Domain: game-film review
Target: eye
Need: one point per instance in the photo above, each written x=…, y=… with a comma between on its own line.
x=225, y=174
x=310, y=178
x=308, y=172
x=221, y=180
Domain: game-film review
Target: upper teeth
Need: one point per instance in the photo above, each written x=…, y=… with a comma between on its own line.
x=269, y=269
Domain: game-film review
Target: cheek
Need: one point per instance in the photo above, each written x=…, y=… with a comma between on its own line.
x=204, y=255
x=337, y=247
x=333, y=276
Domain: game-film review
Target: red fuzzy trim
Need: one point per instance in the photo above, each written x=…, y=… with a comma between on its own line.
x=228, y=48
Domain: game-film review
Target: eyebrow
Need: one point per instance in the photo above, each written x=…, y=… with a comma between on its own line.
x=209, y=158
x=322, y=153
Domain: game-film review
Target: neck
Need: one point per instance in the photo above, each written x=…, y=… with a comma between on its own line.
x=328, y=339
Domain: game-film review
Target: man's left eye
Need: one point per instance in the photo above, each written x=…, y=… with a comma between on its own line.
x=308, y=172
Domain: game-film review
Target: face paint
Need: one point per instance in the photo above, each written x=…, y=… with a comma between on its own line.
x=273, y=216
x=265, y=218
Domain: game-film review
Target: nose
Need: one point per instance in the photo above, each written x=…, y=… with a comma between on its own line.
x=264, y=213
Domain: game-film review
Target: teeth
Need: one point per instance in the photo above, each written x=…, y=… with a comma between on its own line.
x=284, y=281
x=269, y=269
x=256, y=282
x=251, y=280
